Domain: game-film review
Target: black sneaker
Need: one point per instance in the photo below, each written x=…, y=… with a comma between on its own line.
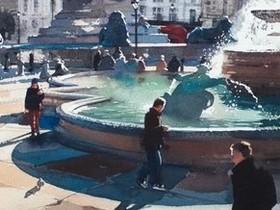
x=143, y=184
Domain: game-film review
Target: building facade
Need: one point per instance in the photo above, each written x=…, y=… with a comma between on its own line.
x=187, y=11
x=29, y=16
x=212, y=10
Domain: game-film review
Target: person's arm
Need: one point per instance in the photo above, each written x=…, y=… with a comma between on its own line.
x=40, y=95
x=27, y=100
x=151, y=125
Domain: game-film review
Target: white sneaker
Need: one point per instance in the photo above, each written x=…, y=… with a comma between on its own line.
x=143, y=184
x=160, y=187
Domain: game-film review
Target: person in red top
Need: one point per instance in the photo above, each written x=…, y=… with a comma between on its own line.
x=33, y=100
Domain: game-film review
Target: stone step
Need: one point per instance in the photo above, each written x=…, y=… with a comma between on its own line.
x=151, y=38
x=63, y=39
x=92, y=29
x=70, y=31
x=93, y=38
x=76, y=14
x=65, y=22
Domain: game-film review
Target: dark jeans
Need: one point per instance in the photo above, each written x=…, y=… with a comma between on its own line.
x=34, y=116
x=152, y=167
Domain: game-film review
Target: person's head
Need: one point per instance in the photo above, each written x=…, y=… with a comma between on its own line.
x=34, y=83
x=57, y=59
x=159, y=104
x=240, y=151
x=162, y=57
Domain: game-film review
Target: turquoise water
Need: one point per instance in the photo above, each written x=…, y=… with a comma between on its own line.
x=132, y=97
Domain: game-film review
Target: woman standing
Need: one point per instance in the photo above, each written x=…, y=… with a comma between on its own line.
x=33, y=101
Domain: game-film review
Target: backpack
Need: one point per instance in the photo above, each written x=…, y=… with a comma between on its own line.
x=266, y=188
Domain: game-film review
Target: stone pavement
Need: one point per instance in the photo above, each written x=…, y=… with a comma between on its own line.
x=23, y=162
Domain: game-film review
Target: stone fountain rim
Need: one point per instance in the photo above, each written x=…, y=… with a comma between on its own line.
x=268, y=51
x=68, y=112
x=268, y=15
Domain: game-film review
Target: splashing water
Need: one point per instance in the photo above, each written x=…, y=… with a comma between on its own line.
x=242, y=89
x=251, y=32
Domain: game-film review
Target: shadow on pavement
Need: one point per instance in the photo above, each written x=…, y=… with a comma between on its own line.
x=11, y=118
x=14, y=140
x=97, y=174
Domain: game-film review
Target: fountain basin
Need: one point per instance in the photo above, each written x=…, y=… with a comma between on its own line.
x=260, y=70
x=197, y=146
x=270, y=16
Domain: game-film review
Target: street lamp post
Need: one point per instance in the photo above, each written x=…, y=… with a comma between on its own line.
x=172, y=8
x=18, y=20
x=135, y=5
x=52, y=8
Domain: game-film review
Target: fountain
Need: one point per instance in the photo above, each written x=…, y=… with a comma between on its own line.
x=259, y=66
x=109, y=116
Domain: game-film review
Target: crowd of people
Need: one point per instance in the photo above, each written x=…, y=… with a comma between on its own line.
x=118, y=61
x=102, y=60
x=13, y=65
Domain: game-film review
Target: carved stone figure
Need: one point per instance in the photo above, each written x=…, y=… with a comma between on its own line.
x=115, y=33
x=190, y=97
x=221, y=32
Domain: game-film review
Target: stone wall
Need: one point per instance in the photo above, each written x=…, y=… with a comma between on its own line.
x=8, y=4
x=84, y=58
x=215, y=9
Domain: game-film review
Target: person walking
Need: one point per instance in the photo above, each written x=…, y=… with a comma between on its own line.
x=33, y=101
x=174, y=64
x=97, y=60
x=141, y=65
x=6, y=61
x=19, y=64
x=182, y=64
x=31, y=62
x=45, y=74
x=153, y=143
x=162, y=65
x=253, y=188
